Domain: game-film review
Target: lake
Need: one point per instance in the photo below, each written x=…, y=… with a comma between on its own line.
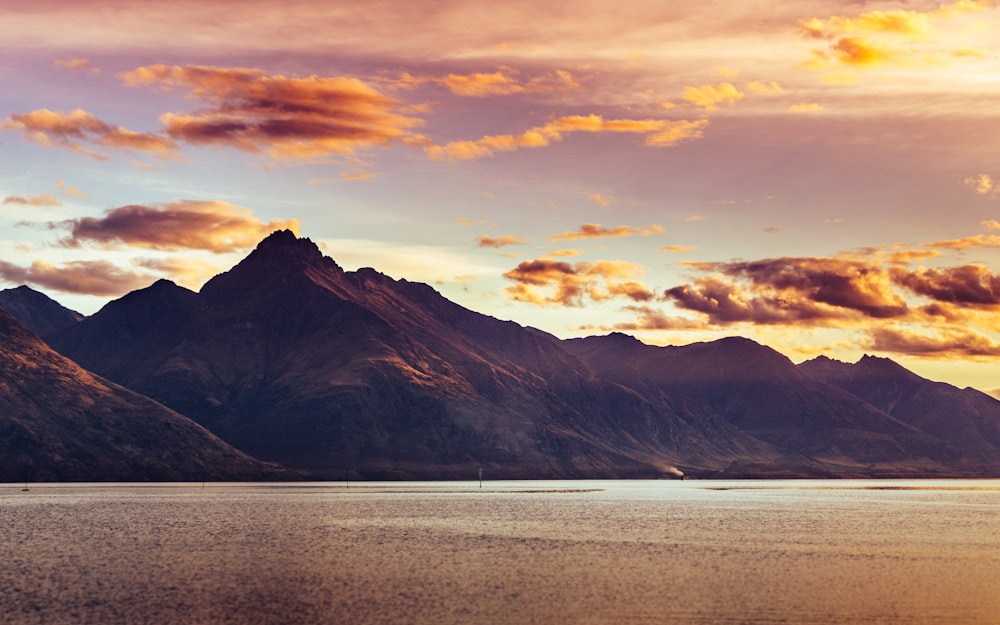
x=573, y=552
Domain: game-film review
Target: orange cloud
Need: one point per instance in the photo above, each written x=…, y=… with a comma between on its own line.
x=99, y=278
x=78, y=65
x=710, y=97
x=659, y=133
x=949, y=342
x=594, y=231
x=881, y=37
x=969, y=285
x=45, y=199
x=648, y=318
x=810, y=107
x=287, y=118
x=982, y=184
x=977, y=240
x=787, y=290
x=77, y=128
x=503, y=241
x=504, y=81
x=601, y=200
x=764, y=88
x=678, y=249
x=187, y=224
x=569, y=284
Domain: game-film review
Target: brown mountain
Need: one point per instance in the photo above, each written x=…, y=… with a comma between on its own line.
x=292, y=359
x=36, y=310
x=59, y=422
x=966, y=418
x=817, y=427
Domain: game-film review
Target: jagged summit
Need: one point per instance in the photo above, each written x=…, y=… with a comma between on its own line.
x=284, y=246
x=278, y=257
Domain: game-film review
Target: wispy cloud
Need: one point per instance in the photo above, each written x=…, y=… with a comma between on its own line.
x=44, y=199
x=501, y=241
x=504, y=81
x=546, y=281
x=658, y=132
x=289, y=119
x=597, y=231
x=186, y=224
x=99, y=278
x=81, y=132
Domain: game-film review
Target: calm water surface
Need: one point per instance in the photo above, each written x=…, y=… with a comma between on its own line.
x=696, y=552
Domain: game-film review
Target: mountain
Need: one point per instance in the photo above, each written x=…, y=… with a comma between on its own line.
x=59, y=422
x=966, y=418
x=294, y=360
x=37, y=311
x=816, y=426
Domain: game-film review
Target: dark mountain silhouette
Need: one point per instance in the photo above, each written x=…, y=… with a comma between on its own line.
x=59, y=422
x=760, y=391
x=36, y=310
x=292, y=359
x=966, y=418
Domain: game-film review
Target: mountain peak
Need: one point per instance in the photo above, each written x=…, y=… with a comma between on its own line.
x=283, y=248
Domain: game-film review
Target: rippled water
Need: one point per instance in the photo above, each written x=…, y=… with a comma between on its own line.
x=694, y=552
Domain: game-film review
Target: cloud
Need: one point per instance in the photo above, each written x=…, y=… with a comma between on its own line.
x=788, y=290
x=968, y=285
x=186, y=224
x=709, y=97
x=659, y=133
x=77, y=65
x=289, y=119
x=882, y=37
x=603, y=201
x=504, y=81
x=648, y=318
x=949, y=342
x=99, y=278
x=982, y=184
x=764, y=88
x=594, y=231
x=976, y=240
x=44, y=199
x=678, y=249
x=69, y=190
x=502, y=241
x=78, y=129
x=806, y=107
x=546, y=281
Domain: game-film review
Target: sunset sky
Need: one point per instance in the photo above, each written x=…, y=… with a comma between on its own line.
x=822, y=177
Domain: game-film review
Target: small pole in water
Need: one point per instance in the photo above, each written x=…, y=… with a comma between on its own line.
x=347, y=478
x=25, y=489
x=480, y=477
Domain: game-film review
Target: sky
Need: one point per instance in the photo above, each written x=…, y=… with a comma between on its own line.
x=821, y=177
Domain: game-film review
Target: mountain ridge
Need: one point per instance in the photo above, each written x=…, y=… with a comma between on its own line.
x=294, y=360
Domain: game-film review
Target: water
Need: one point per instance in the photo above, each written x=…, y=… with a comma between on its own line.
x=694, y=552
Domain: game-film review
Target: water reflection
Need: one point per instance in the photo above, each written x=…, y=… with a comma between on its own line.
x=511, y=552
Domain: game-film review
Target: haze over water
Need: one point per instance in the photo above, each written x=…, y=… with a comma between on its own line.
x=511, y=552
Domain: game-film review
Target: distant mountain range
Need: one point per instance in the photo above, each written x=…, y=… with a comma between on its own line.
x=293, y=360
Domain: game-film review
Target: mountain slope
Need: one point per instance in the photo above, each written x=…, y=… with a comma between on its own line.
x=966, y=418
x=59, y=422
x=761, y=392
x=37, y=311
x=292, y=359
